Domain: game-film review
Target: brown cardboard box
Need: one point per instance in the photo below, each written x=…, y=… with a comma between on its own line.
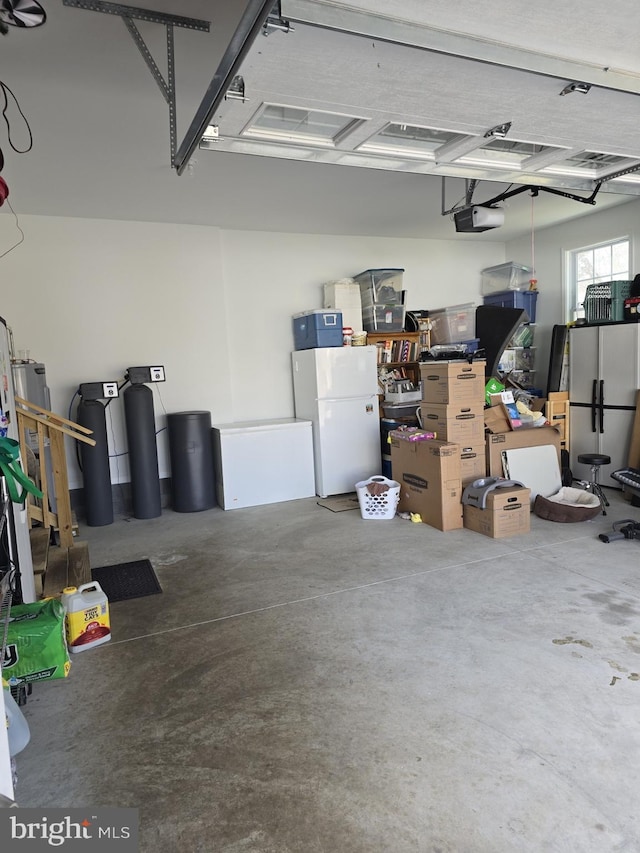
x=430, y=483
x=473, y=462
x=496, y=419
x=532, y=437
x=460, y=423
x=557, y=412
x=507, y=513
x=458, y=382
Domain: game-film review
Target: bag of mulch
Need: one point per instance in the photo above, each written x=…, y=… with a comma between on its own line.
x=36, y=649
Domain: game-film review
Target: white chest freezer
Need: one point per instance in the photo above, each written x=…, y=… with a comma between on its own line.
x=263, y=462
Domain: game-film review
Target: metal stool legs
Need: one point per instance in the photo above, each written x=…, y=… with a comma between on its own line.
x=594, y=461
x=594, y=486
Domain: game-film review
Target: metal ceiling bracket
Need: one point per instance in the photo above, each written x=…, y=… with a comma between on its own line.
x=635, y=167
x=128, y=13
x=134, y=32
x=499, y=131
x=138, y=13
x=471, y=187
x=275, y=21
x=581, y=88
x=236, y=91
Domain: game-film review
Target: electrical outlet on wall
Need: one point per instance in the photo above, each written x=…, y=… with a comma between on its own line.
x=157, y=374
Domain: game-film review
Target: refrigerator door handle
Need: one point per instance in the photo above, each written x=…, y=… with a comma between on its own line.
x=593, y=404
x=601, y=406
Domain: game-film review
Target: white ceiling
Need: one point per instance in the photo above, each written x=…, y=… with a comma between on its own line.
x=101, y=130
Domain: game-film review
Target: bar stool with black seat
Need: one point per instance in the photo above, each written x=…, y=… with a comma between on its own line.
x=595, y=460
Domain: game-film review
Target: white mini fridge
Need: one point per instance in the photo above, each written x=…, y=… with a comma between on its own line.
x=263, y=462
x=336, y=388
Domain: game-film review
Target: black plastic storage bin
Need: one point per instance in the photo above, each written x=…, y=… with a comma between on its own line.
x=191, y=454
x=525, y=299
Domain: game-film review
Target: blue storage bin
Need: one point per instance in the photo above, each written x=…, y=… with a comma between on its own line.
x=317, y=328
x=386, y=467
x=387, y=425
x=525, y=299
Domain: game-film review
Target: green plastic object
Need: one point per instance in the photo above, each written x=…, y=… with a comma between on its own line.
x=492, y=387
x=604, y=302
x=13, y=473
x=36, y=649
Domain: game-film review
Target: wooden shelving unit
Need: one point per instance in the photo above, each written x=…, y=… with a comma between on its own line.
x=404, y=368
x=391, y=342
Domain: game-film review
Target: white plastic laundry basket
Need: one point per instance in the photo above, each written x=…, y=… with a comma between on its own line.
x=382, y=506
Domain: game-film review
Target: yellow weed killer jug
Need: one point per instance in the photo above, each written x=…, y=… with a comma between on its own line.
x=86, y=616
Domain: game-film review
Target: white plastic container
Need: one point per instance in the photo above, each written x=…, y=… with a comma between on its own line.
x=344, y=296
x=86, y=616
x=17, y=727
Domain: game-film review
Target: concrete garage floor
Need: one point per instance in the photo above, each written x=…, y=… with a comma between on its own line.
x=309, y=682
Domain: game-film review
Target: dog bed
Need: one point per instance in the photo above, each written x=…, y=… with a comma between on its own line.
x=568, y=505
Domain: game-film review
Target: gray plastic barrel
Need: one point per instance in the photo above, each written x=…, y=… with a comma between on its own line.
x=191, y=454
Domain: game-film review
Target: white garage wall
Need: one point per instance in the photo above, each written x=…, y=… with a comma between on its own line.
x=272, y=276
x=90, y=298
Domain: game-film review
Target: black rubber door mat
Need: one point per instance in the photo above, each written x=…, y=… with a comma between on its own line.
x=127, y=580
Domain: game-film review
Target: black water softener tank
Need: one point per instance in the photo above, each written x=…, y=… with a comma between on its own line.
x=143, y=451
x=191, y=454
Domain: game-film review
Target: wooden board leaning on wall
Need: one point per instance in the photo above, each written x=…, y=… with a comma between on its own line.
x=634, y=447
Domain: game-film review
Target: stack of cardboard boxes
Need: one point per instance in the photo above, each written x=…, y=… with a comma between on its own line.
x=433, y=473
x=453, y=407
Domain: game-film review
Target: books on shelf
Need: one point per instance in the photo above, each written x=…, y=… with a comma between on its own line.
x=397, y=351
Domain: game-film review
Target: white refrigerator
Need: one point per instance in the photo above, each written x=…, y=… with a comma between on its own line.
x=336, y=388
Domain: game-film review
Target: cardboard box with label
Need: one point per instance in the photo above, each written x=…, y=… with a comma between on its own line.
x=507, y=513
x=430, y=481
x=473, y=462
x=449, y=382
x=532, y=437
x=462, y=424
